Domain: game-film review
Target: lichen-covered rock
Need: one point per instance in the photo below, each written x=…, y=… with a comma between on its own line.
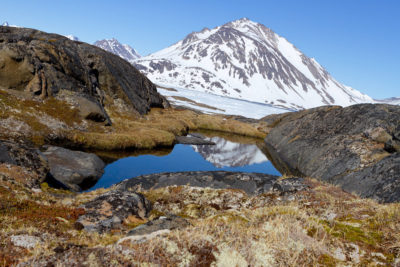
x=169, y=222
x=29, y=159
x=341, y=145
x=110, y=210
x=44, y=64
x=76, y=170
x=290, y=186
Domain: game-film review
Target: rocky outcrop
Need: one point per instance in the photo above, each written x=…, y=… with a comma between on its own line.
x=356, y=147
x=112, y=209
x=251, y=183
x=75, y=170
x=28, y=159
x=45, y=64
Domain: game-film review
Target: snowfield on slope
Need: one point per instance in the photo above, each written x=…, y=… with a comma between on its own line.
x=215, y=104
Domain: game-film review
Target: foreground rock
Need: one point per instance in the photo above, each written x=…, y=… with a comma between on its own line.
x=356, y=147
x=75, y=170
x=26, y=159
x=251, y=183
x=112, y=209
x=52, y=65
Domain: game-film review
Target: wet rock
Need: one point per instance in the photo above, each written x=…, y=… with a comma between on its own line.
x=75, y=170
x=345, y=146
x=30, y=159
x=169, y=222
x=193, y=139
x=251, y=183
x=110, y=210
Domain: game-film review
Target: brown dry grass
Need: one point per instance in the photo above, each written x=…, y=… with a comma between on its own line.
x=42, y=122
x=228, y=228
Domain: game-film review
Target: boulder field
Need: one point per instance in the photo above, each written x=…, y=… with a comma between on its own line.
x=355, y=147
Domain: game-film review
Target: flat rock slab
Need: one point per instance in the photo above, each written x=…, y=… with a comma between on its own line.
x=111, y=209
x=75, y=170
x=251, y=183
x=169, y=222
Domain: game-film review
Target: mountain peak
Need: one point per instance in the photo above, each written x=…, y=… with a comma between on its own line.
x=122, y=50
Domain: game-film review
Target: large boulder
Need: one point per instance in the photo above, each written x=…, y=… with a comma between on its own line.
x=356, y=147
x=74, y=170
x=45, y=64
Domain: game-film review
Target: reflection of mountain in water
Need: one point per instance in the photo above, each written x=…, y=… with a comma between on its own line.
x=229, y=154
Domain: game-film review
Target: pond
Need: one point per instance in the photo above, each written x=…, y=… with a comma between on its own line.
x=236, y=154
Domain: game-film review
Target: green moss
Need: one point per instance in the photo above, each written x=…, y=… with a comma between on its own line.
x=46, y=188
x=353, y=233
x=327, y=260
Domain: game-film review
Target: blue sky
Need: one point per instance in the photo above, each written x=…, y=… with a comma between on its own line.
x=357, y=41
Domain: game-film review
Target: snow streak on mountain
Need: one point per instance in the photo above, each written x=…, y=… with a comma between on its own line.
x=123, y=50
x=244, y=59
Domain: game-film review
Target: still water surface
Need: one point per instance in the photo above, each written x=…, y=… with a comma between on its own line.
x=226, y=155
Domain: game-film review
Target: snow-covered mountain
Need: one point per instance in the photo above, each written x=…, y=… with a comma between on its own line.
x=244, y=59
x=72, y=37
x=229, y=154
x=123, y=50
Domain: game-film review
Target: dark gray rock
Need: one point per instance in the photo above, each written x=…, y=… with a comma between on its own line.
x=110, y=210
x=251, y=183
x=339, y=145
x=76, y=170
x=44, y=64
x=379, y=181
x=169, y=222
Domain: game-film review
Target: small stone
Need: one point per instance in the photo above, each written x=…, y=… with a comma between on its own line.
x=25, y=241
x=169, y=222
